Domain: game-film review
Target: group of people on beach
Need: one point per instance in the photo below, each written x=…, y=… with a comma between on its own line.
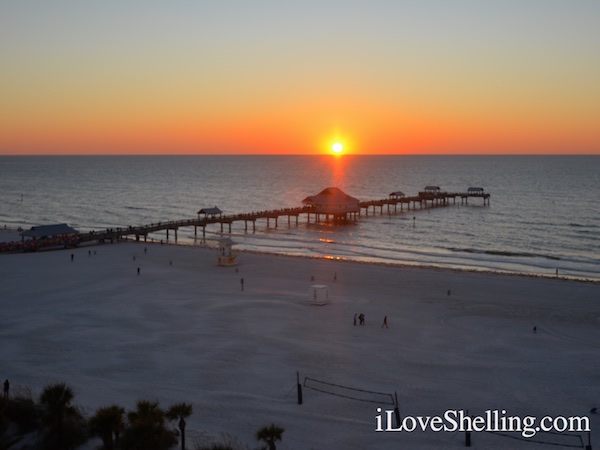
x=361, y=320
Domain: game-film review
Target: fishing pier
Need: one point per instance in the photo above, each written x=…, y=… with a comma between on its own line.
x=330, y=206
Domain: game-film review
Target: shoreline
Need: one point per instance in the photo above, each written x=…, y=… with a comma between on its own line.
x=434, y=268
x=347, y=260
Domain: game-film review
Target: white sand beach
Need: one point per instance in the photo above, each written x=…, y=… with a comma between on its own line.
x=183, y=330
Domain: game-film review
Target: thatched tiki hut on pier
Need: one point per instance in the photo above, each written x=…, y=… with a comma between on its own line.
x=332, y=202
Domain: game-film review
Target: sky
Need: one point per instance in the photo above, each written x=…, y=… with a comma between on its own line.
x=294, y=77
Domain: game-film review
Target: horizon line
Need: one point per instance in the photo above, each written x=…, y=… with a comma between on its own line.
x=298, y=154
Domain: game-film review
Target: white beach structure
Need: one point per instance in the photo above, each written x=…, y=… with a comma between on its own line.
x=318, y=294
x=226, y=257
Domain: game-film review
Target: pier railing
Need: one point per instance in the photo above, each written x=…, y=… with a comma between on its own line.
x=422, y=200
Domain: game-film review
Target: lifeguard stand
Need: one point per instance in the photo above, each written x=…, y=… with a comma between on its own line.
x=318, y=294
x=226, y=256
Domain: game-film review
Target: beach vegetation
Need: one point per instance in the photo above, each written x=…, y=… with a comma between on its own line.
x=270, y=434
x=51, y=421
x=146, y=428
x=64, y=425
x=107, y=423
x=22, y=411
x=179, y=412
x=6, y=440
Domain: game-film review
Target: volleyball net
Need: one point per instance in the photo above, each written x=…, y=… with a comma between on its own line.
x=351, y=393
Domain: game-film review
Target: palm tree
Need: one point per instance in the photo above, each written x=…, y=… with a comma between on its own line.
x=270, y=435
x=147, y=430
x=180, y=411
x=56, y=400
x=108, y=421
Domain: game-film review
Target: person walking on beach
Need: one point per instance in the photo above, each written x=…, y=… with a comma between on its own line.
x=361, y=319
x=384, y=324
x=355, y=319
x=6, y=387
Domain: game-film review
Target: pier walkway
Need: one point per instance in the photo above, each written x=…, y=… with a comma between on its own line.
x=431, y=197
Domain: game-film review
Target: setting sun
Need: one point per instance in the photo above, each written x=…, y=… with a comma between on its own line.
x=337, y=147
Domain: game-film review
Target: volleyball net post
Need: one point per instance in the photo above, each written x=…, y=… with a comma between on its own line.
x=397, y=410
x=467, y=434
x=299, y=387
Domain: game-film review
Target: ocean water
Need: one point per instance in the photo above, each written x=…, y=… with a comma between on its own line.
x=544, y=213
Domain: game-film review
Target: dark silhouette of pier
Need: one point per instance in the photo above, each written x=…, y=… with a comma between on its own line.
x=431, y=197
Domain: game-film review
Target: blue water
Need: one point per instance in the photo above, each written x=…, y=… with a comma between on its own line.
x=544, y=212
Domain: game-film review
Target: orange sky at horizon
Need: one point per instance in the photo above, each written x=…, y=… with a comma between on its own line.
x=278, y=134
x=427, y=79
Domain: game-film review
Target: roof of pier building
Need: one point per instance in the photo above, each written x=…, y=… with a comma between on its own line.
x=211, y=211
x=332, y=200
x=41, y=231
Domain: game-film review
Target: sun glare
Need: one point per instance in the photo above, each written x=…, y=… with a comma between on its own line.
x=337, y=147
